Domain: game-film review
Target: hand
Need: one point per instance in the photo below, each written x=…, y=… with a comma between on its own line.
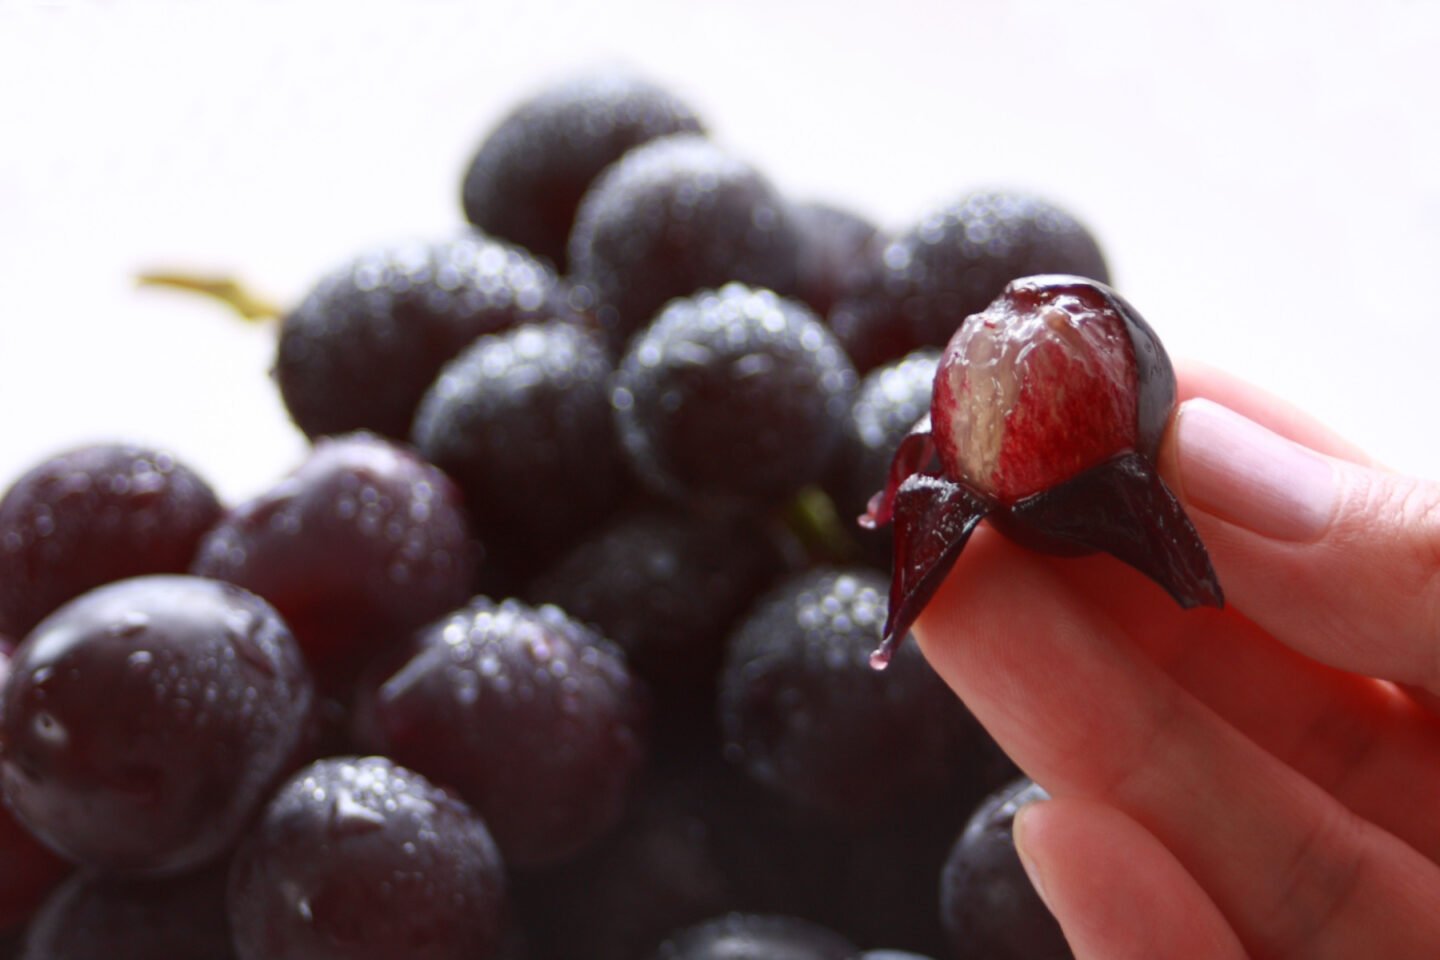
x=1234, y=783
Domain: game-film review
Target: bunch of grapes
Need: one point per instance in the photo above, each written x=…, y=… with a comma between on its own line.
x=557, y=642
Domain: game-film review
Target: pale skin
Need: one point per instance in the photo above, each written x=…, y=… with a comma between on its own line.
x=1236, y=783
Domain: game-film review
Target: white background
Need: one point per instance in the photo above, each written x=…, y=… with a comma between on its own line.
x=1265, y=177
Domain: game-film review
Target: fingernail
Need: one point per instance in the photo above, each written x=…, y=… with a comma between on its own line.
x=1032, y=870
x=1241, y=472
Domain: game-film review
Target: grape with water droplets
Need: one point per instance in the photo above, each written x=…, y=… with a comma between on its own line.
x=404, y=309
x=361, y=859
x=92, y=516
x=145, y=721
x=674, y=216
x=533, y=718
x=527, y=178
x=361, y=544
x=521, y=420
x=732, y=399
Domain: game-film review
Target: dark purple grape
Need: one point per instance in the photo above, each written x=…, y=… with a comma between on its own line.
x=145, y=721
x=988, y=906
x=803, y=712
x=664, y=586
x=534, y=719
x=362, y=347
x=95, y=915
x=361, y=544
x=952, y=264
x=734, y=397
x=661, y=870
x=91, y=516
x=522, y=421
x=527, y=179
x=755, y=937
x=27, y=869
x=890, y=955
x=839, y=254
x=361, y=859
x=674, y=216
x=890, y=400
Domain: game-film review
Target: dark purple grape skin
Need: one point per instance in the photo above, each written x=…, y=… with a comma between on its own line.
x=891, y=398
x=27, y=869
x=95, y=915
x=361, y=348
x=522, y=422
x=674, y=216
x=361, y=544
x=92, y=516
x=534, y=719
x=839, y=254
x=665, y=586
x=733, y=399
x=660, y=870
x=803, y=712
x=756, y=937
x=952, y=264
x=890, y=955
x=526, y=181
x=988, y=906
x=145, y=721
x=361, y=859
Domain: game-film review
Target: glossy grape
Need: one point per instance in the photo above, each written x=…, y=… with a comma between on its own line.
x=733, y=398
x=145, y=721
x=522, y=421
x=803, y=712
x=534, y=719
x=756, y=937
x=91, y=516
x=529, y=174
x=674, y=216
x=361, y=544
x=988, y=905
x=952, y=264
x=360, y=859
x=405, y=309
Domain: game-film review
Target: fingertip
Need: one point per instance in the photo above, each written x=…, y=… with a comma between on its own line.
x=1028, y=829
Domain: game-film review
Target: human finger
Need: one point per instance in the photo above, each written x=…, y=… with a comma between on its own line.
x=1073, y=701
x=1338, y=560
x=1117, y=892
x=1357, y=738
x=1196, y=379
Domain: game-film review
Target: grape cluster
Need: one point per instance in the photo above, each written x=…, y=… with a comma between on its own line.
x=556, y=642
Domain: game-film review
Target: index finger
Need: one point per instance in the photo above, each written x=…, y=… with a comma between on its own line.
x=1335, y=558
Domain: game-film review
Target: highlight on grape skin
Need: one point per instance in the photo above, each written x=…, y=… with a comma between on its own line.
x=1046, y=419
